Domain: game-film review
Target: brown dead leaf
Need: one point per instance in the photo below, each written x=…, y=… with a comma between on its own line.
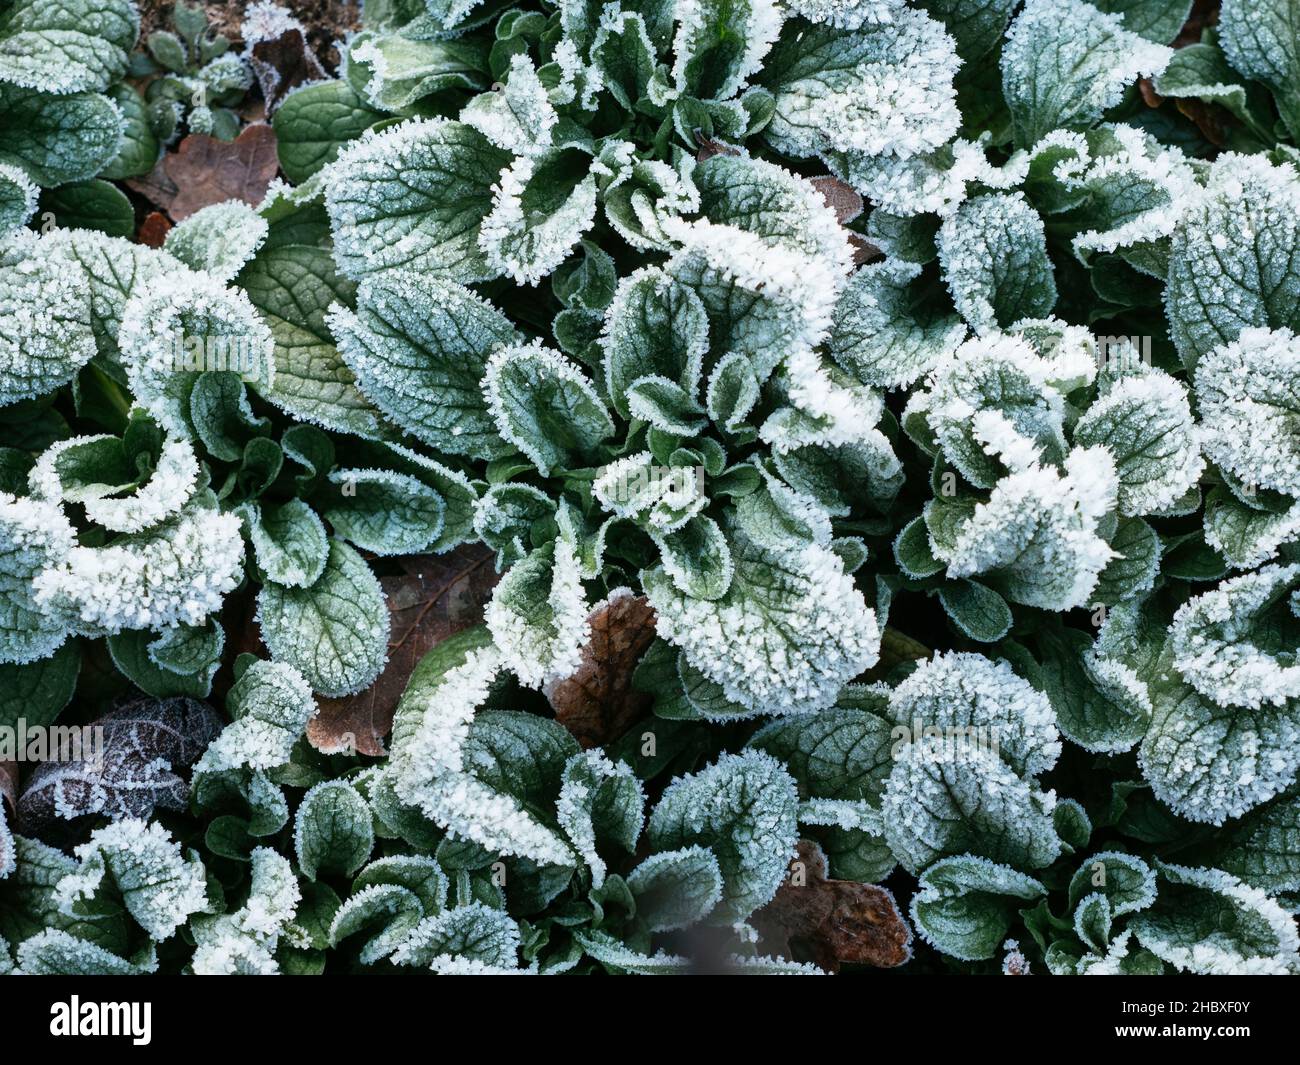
x=833, y=922
x=1204, y=13
x=597, y=703
x=1212, y=121
x=283, y=63
x=864, y=251
x=154, y=229
x=207, y=171
x=709, y=147
x=438, y=596
x=843, y=199
x=1149, y=95
x=155, y=186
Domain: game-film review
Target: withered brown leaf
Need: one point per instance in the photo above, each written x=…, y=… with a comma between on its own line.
x=207, y=171
x=833, y=922
x=597, y=703
x=153, y=230
x=844, y=200
x=284, y=63
x=8, y=809
x=437, y=596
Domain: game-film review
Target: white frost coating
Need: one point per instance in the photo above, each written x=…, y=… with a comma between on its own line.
x=1210, y=948
x=519, y=243
x=1068, y=351
x=274, y=703
x=541, y=636
x=1250, y=407
x=844, y=413
x=176, y=574
x=160, y=888
x=1211, y=638
x=1038, y=532
x=791, y=630
x=1145, y=422
x=176, y=324
x=1139, y=158
x=847, y=14
x=1064, y=62
x=25, y=192
x=762, y=23
x=218, y=239
x=244, y=942
x=933, y=183
x=519, y=117
x=166, y=492
x=34, y=536
x=429, y=771
x=890, y=94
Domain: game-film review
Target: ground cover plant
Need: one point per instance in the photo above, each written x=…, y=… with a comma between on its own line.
x=764, y=486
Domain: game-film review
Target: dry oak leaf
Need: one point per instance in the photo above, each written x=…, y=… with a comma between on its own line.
x=153, y=230
x=437, y=597
x=844, y=200
x=207, y=171
x=596, y=703
x=145, y=746
x=833, y=922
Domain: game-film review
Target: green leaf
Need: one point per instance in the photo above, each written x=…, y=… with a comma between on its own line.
x=385, y=912
x=394, y=71
x=994, y=257
x=1065, y=62
x=314, y=122
x=67, y=46
x=977, y=25
x=544, y=405
x=36, y=535
x=980, y=613
x=57, y=139
x=676, y=889
x=332, y=831
x=414, y=196
x=385, y=512
x=1259, y=41
x=415, y=336
x=38, y=691
x=1220, y=284
x=90, y=205
x=335, y=630
x=1201, y=72
x=289, y=541
x=294, y=286
x=461, y=937
x=966, y=905
x=1133, y=570
x=218, y=239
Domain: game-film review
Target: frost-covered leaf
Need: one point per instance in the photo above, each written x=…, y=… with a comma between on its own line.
x=159, y=887
x=1036, y=538
x=67, y=46
x=1230, y=262
x=288, y=540
x=45, y=326
x=335, y=630
x=270, y=706
x=1207, y=921
x=544, y=405
x=978, y=612
x=177, y=572
x=877, y=335
x=57, y=139
x=884, y=89
x=394, y=71
x=314, y=122
x=1262, y=848
x=966, y=905
x=473, y=933
x=1145, y=422
x=386, y=912
x=790, y=630
x=385, y=512
x=333, y=831
x=676, y=889
x=742, y=808
x=415, y=196
x=432, y=734
x=518, y=116
x=57, y=953
x=146, y=746
x=18, y=196
x=994, y=256
x=1259, y=40
x=36, y=536
x=538, y=615
x=244, y=942
x=294, y=286
x=1066, y=61
x=413, y=336
x=219, y=239
x=177, y=326
x=976, y=738
x=1246, y=394
x=601, y=802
